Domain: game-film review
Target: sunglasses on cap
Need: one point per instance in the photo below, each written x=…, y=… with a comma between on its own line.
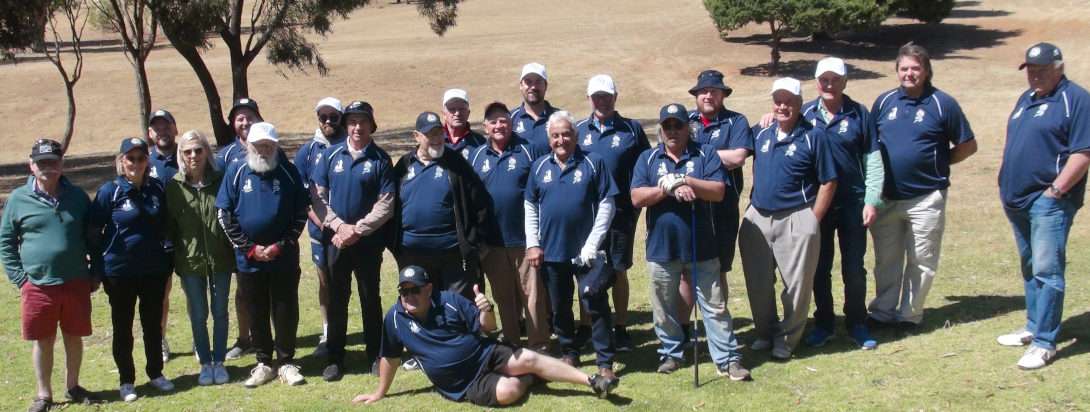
x=408, y=291
x=331, y=118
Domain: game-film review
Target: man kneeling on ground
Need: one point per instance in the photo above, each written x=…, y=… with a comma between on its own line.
x=443, y=330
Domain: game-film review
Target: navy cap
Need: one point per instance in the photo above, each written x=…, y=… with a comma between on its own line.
x=1042, y=53
x=710, y=78
x=161, y=114
x=46, y=149
x=673, y=111
x=415, y=275
x=244, y=102
x=496, y=107
x=364, y=108
x=427, y=121
x=130, y=143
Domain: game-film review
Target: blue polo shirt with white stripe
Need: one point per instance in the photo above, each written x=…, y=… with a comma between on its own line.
x=427, y=209
x=306, y=159
x=788, y=173
x=161, y=165
x=354, y=185
x=530, y=130
x=504, y=175
x=669, y=222
x=266, y=205
x=1042, y=133
x=567, y=201
x=131, y=221
x=619, y=141
x=851, y=136
x=470, y=142
x=726, y=131
x=915, y=135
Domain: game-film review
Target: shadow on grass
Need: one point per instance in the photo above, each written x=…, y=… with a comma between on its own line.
x=1075, y=329
x=614, y=399
x=964, y=309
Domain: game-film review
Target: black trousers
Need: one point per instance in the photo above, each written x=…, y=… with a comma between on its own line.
x=561, y=281
x=124, y=293
x=448, y=271
x=844, y=220
x=275, y=295
x=364, y=262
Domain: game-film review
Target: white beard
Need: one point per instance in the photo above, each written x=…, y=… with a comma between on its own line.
x=436, y=153
x=260, y=164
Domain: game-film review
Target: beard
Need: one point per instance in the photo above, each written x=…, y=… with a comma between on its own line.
x=260, y=164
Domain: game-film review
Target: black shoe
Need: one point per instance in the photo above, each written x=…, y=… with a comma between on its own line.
x=582, y=337
x=622, y=340
x=40, y=405
x=669, y=365
x=77, y=394
x=874, y=324
x=332, y=373
x=602, y=385
x=321, y=351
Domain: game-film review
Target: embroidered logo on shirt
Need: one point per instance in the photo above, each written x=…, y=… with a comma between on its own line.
x=1018, y=113
x=892, y=114
x=790, y=150
x=521, y=128
x=367, y=167
x=689, y=167
x=339, y=167
x=511, y=164
x=127, y=206
x=919, y=116
x=248, y=187
x=486, y=166
x=318, y=158
x=578, y=177
x=414, y=327
x=1041, y=110
x=662, y=169
x=276, y=186
x=843, y=127
x=764, y=147
x=715, y=134
x=548, y=176
x=616, y=141
x=412, y=173
x=154, y=172
x=438, y=172
x=465, y=153
x=588, y=140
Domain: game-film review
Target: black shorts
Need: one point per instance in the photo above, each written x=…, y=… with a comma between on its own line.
x=620, y=240
x=482, y=391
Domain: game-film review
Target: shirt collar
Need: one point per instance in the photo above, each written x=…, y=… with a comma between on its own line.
x=606, y=124
x=1051, y=95
x=525, y=110
x=572, y=160
x=691, y=150
x=928, y=90
x=801, y=127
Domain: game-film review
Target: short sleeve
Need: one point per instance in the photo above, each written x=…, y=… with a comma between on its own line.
x=606, y=186
x=826, y=165
x=713, y=167
x=640, y=172
x=228, y=193
x=1078, y=132
x=531, y=195
x=386, y=182
x=319, y=173
x=741, y=136
x=391, y=344
x=869, y=129
x=956, y=124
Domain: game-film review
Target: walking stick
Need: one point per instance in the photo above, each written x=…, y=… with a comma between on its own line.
x=696, y=306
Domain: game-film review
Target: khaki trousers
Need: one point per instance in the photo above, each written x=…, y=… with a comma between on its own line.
x=907, y=240
x=517, y=289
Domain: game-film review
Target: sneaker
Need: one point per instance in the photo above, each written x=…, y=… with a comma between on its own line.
x=621, y=338
x=1036, y=357
x=205, y=378
x=602, y=385
x=77, y=394
x=238, y=351
x=259, y=375
x=40, y=405
x=780, y=351
x=166, y=350
x=332, y=373
x=818, y=337
x=861, y=336
x=761, y=344
x=321, y=350
x=162, y=384
x=290, y=375
x=219, y=373
x=128, y=392
x=733, y=370
x=411, y=365
x=1020, y=337
x=669, y=365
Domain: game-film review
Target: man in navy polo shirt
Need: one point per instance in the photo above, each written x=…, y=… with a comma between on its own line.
x=262, y=207
x=354, y=185
x=530, y=117
x=922, y=131
x=243, y=114
x=162, y=130
x=445, y=332
x=794, y=181
x=504, y=166
x=456, y=132
x=677, y=182
x=619, y=141
x=443, y=210
x=330, y=131
x=1042, y=183
x=569, y=205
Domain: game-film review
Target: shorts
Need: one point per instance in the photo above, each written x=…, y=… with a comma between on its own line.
x=482, y=391
x=620, y=240
x=45, y=306
x=318, y=255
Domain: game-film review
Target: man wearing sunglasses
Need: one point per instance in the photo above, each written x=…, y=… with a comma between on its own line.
x=456, y=132
x=443, y=330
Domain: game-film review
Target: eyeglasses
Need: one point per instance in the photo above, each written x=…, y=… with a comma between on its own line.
x=675, y=125
x=331, y=118
x=136, y=158
x=409, y=291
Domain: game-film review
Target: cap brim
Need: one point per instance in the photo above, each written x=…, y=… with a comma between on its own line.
x=726, y=90
x=45, y=156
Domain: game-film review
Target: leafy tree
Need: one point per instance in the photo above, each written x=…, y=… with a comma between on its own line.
x=22, y=25
x=133, y=21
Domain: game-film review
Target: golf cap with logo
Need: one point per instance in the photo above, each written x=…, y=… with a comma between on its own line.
x=495, y=107
x=161, y=114
x=1042, y=53
x=713, y=79
x=789, y=84
x=46, y=149
x=427, y=121
x=601, y=83
x=330, y=102
x=364, y=108
x=261, y=132
x=534, y=68
x=132, y=143
x=673, y=111
x=413, y=274
x=833, y=65
x=244, y=102
x=452, y=94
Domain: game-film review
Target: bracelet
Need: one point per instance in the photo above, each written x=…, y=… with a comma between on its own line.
x=1056, y=191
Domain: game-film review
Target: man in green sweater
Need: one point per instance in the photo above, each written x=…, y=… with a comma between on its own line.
x=46, y=253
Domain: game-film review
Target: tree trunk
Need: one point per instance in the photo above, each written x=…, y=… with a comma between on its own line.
x=143, y=91
x=776, y=37
x=222, y=130
x=70, y=120
x=240, y=80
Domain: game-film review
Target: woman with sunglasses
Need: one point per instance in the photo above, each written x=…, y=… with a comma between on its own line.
x=129, y=213
x=203, y=257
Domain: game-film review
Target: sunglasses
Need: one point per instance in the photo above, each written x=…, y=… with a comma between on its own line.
x=332, y=118
x=673, y=125
x=409, y=291
x=136, y=158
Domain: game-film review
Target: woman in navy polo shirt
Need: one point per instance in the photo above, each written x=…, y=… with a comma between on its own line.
x=129, y=212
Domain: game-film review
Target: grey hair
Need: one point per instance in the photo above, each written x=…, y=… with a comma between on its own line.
x=202, y=141
x=559, y=116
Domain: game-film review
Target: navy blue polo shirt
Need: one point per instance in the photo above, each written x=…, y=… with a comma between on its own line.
x=427, y=209
x=567, y=200
x=619, y=141
x=469, y=142
x=1041, y=135
x=504, y=175
x=669, y=222
x=915, y=135
x=230, y=154
x=788, y=173
x=530, y=130
x=306, y=160
x=266, y=205
x=851, y=135
x=726, y=131
x=447, y=342
x=131, y=223
x=161, y=165
x=354, y=184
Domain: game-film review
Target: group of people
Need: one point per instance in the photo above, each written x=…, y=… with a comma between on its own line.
x=542, y=206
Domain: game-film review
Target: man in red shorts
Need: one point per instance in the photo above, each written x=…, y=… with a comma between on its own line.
x=44, y=249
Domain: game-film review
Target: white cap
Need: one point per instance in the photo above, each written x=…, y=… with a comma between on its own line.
x=831, y=64
x=601, y=83
x=786, y=83
x=534, y=68
x=330, y=102
x=262, y=131
x=455, y=94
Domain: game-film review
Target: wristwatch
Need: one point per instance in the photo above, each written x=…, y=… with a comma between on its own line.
x=1056, y=192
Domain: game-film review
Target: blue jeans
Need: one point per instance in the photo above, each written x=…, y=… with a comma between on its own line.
x=722, y=344
x=1040, y=232
x=198, y=289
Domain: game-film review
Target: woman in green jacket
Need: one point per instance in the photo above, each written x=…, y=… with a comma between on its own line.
x=203, y=257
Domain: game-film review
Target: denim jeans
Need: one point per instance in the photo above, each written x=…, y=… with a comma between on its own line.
x=560, y=284
x=844, y=221
x=199, y=290
x=1040, y=232
x=722, y=344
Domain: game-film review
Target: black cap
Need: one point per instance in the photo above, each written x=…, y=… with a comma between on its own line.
x=46, y=149
x=364, y=108
x=673, y=111
x=161, y=114
x=130, y=143
x=427, y=121
x=1042, y=53
x=710, y=78
x=415, y=275
x=241, y=103
x=494, y=107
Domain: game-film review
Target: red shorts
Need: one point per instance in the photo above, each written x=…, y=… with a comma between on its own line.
x=68, y=304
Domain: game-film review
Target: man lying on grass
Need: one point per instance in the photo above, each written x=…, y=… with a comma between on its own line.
x=443, y=330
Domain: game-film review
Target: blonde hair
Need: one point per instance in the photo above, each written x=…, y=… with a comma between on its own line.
x=120, y=167
x=194, y=136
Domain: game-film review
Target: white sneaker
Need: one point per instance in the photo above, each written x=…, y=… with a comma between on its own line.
x=259, y=375
x=760, y=344
x=411, y=365
x=290, y=375
x=1020, y=337
x=166, y=350
x=205, y=377
x=219, y=373
x=1036, y=357
x=128, y=392
x=162, y=384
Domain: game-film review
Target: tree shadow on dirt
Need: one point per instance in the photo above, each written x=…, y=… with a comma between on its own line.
x=804, y=69
x=960, y=13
